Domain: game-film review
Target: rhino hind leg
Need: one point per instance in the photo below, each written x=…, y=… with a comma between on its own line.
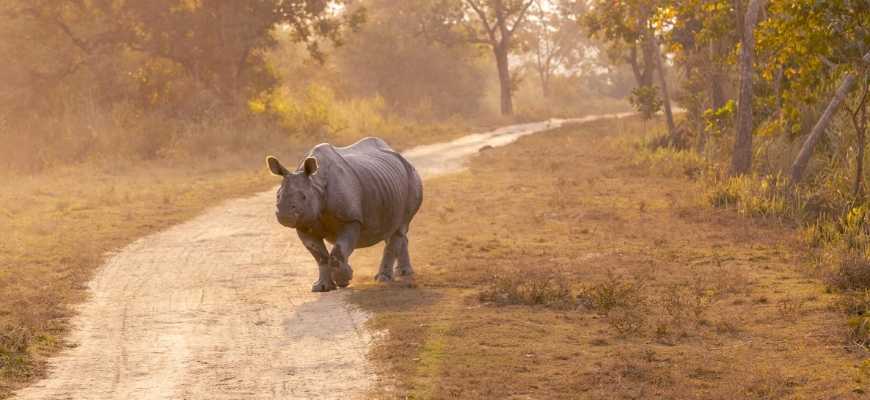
x=403, y=266
x=385, y=273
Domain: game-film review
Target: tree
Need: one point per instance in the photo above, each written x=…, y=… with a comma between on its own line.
x=494, y=23
x=630, y=26
x=858, y=116
x=554, y=40
x=394, y=56
x=152, y=47
x=669, y=114
x=627, y=27
x=741, y=159
x=823, y=47
x=800, y=163
x=701, y=35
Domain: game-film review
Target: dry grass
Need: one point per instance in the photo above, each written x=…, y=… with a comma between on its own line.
x=673, y=299
x=58, y=226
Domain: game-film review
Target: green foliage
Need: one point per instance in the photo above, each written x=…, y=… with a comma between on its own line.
x=646, y=101
x=719, y=121
x=812, y=44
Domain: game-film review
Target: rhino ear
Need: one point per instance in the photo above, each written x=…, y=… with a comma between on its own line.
x=310, y=166
x=275, y=166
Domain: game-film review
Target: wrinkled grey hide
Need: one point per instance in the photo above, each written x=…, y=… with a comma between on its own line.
x=353, y=197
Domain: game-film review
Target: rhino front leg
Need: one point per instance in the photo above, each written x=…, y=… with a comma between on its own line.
x=317, y=249
x=345, y=244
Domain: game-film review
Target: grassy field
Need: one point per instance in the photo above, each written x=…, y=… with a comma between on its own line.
x=58, y=227
x=558, y=268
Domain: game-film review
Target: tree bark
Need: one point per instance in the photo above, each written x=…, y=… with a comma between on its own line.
x=666, y=96
x=545, y=87
x=650, y=53
x=803, y=158
x=859, y=164
x=741, y=159
x=859, y=122
x=717, y=94
x=504, y=79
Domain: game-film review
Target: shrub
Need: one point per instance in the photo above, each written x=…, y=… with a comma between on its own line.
x=646, y=100
x=855, y=302
x=613, y=293
x=537, y=287
x=853, y=273
x=622, y=302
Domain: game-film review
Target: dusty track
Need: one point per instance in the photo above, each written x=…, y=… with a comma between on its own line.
x=219, y=308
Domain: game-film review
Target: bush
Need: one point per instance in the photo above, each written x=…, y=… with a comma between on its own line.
x=538, y=287
x=623, y=302
x=611, y=294
x=855, y=302
x=646, y=101
x=853, y=273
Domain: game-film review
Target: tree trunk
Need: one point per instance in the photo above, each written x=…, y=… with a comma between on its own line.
x=635, y=65
x=739, y=19
x=545, y=84
x=777, y=90
x=717, y=94
x=803, y=158
x=859, y=165
x=741, y=160
x=504, y=79
x=859, y=121
x=669, y=115
x=650, y=53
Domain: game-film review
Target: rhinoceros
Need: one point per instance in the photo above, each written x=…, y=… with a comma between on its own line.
x=354, y=197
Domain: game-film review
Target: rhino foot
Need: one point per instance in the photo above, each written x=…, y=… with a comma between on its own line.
x=382, y=277
x=323, y=286
x=404, y=271
x=342, y=273
x=342, y=277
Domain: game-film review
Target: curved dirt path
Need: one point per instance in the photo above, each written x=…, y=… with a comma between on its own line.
x=219, y=308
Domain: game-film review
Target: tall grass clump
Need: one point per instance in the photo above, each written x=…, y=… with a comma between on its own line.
x=753, y=196
x=544, y=287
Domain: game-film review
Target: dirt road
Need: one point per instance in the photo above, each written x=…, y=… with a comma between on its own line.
x=219, y=308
